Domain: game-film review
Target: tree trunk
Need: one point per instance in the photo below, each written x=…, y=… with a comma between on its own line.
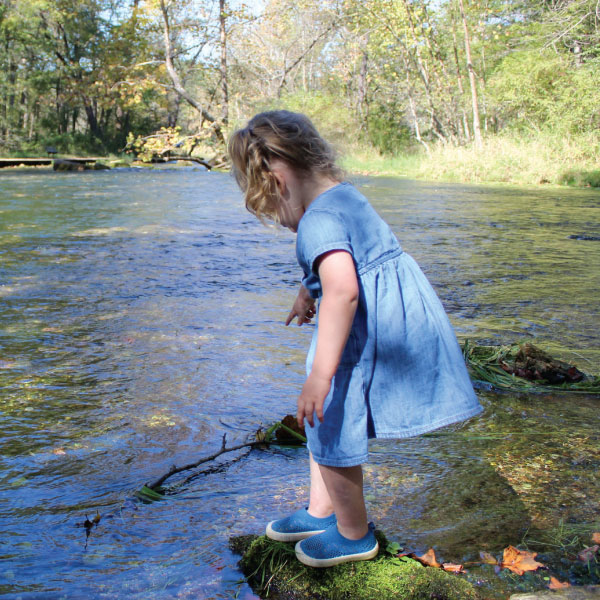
x=177, y=85
x=92, y=119
x=411, y=103
x=472, y=82
x=31, y=122
x=223, y=35
x=459, y=80
x=362, y=89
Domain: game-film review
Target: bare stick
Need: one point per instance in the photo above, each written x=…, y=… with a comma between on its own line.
x=174, y=469
x=263, y=436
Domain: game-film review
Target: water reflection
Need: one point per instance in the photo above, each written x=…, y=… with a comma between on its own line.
x=141, y=318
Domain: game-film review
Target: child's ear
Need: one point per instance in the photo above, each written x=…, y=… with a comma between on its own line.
x=280, y=179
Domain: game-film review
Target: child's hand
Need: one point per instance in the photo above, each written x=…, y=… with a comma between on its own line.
x=312, y=398
x=303, y=308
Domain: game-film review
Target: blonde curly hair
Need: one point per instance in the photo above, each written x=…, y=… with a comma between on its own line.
x=281, y=134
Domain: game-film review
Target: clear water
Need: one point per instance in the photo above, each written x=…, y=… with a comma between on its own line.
x=141, y=318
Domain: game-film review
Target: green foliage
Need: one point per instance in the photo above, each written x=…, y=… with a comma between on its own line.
x=537, y=89
x=386, y=130
x=580, y=178
x=74, y=69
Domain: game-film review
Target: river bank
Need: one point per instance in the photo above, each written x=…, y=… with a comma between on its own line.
x=519, y=160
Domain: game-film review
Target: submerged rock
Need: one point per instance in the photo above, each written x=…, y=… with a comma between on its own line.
x=272, y=568
x=61, y=164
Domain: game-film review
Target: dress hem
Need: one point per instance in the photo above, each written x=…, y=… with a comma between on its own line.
x=430, y=427
x=359, y=460
x=348, y=462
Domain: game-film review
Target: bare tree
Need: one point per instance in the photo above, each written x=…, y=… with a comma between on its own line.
x=472, y=81
x=223, y=39
x=177, y=85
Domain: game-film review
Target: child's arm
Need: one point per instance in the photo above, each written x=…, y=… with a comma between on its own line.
x=303, y=308
x=336, y=314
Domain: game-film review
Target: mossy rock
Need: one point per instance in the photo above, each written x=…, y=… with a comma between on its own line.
x=273, y=571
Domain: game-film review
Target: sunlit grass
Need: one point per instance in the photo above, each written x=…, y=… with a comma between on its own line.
x=523, y=160
x=368, y=161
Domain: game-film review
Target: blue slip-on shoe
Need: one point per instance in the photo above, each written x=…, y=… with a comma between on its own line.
x=332, y=548
x=298, y=526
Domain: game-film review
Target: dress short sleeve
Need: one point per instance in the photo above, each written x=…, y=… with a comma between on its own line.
x=319, y=231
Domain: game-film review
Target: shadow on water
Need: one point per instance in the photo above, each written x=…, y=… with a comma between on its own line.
x=141, y=319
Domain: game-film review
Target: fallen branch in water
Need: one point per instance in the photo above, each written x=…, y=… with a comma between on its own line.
x=261, y=438
x=174, y=469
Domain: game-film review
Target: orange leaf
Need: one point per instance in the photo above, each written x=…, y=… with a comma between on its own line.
x=487, y=558
x=453, y=568
x=519, y=561
x=555, y=584
x=428, y=559
x=596, y=538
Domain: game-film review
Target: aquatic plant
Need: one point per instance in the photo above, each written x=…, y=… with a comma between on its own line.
x=497, y=366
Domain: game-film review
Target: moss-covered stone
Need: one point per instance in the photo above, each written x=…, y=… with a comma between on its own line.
x=272, y=568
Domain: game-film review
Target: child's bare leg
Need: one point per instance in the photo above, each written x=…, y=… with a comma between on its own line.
x=320, y=504
x=345, y=488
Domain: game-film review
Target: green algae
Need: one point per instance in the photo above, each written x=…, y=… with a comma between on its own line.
x=273, y=571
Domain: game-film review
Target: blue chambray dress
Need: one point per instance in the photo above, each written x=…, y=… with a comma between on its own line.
x=402, y=372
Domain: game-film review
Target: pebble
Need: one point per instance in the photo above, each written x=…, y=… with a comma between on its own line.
x=588, y=592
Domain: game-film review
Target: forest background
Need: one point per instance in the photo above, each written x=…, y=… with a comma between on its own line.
x=469, y=90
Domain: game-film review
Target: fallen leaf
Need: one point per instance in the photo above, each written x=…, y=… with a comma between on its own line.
x=596, y=538
x=58, y=451
x=555, y=584
x=453, y=568
x=487, y=558
x=588, y=554
x=519, y=561
x=428, y=559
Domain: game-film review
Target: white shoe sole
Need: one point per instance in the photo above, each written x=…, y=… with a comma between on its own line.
x=289, y=537
x=330, y=562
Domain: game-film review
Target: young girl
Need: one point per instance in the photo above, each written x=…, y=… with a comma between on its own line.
x=383, y=362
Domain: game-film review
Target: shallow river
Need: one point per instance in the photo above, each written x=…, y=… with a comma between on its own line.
x=141, y=318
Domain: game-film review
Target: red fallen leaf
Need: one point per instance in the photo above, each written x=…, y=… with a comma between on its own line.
x=588, y=554
x=519, y=561
x=453, y=568
x=555, y=584
x=487, y=558
x=428, y=559
x=596, y=538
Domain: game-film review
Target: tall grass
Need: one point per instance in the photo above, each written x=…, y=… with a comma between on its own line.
x=517, y=159
x=366, y=160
